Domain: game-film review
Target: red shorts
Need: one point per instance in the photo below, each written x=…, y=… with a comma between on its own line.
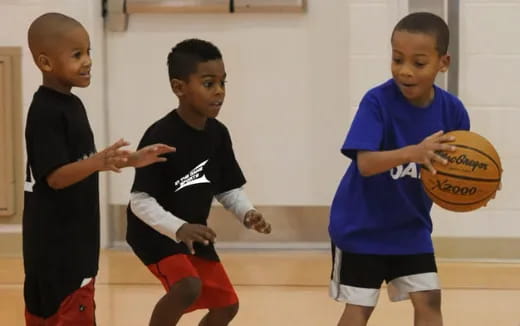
x=217, y=290
x=76, y=310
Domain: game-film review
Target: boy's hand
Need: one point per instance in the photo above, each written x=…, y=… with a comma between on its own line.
x=149, y=155
x=189, y=233
x=113, y=157
x=255, y=220
x=425, y=152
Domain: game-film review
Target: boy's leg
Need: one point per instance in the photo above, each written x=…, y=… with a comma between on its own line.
x=218, y=294
x=219, y=316
x=356, y=280
x=427, y=308
x=355, y=315
x=415, y=277
x=172, y=305
x=183, y=286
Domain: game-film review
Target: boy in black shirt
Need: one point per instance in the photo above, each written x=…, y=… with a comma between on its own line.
x=61, y=208
x=170, y=202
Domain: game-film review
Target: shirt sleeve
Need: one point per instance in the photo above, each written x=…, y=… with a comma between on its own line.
x=154, y=215
x=236, y=201
x=463, y=121
x=46, y=142
x=231, y=174
x=366, y=130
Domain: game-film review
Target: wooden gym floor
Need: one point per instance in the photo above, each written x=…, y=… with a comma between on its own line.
x=284, y=288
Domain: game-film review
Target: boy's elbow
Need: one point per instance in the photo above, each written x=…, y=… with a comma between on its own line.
x=363, y=166
x=364, y=172
x=54, y=183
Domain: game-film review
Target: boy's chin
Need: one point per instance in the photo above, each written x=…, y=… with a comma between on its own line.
x=212, y=113
x=82, y=85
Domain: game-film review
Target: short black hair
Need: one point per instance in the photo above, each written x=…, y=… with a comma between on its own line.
x=186, y=55
x=427, y=23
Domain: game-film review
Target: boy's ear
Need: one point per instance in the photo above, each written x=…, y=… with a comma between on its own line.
x=178, y=87
x=445, y=62
x=44, y=63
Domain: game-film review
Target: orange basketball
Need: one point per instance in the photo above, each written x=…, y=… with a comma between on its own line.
x=471, y=177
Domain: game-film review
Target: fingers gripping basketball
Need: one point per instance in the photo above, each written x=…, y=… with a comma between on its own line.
x=469, y=179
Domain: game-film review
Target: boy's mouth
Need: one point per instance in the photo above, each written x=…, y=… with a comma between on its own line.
x=216, y=104
x=408, y=85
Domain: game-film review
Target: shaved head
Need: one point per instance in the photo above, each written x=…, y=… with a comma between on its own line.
x=47, y=30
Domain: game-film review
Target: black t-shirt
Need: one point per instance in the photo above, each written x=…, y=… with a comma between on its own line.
x=60, y=227
x=203, y=165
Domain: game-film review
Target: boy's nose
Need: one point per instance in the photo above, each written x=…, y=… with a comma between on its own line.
x=88, y=61
x=405, y=71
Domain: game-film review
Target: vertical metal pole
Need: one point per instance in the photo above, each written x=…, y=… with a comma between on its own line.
x=453, y=8
x=449, y=10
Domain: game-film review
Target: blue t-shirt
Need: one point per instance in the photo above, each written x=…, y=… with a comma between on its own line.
x=389, y=213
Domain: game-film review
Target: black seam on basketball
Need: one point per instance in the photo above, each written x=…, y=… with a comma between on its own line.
x=481, y=152
x=458, y=204
x=467, y=178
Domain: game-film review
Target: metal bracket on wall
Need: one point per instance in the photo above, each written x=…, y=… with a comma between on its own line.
x=450, y=11
x=116, y=18
x=117, y=11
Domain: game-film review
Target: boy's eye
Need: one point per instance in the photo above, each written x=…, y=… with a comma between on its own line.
x=397, y=60
x=77, y=55
x=207, y=84
x=420, y=64
x=223, y=83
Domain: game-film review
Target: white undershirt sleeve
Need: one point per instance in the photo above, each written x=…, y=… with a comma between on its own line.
x=236, y=201
x=146, y=208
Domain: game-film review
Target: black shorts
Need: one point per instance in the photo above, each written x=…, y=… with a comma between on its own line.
x=357, y=278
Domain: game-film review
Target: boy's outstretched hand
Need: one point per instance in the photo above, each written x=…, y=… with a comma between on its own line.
x=189, y=233
x=113, y=157
x=149, y=155
x=255, y=220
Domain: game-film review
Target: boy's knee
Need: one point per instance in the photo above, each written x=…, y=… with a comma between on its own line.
x=231, y=311
x=226, y=313
x=428, y=300
x=186, y=290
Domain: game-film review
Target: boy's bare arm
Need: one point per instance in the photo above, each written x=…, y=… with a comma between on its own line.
x=106, y=160
x=146, y=156
x=375, y=162
x=112, y=158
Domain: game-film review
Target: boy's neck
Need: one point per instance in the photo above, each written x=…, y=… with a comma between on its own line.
x=193, y=119
x=425, y=102
x=54, y=85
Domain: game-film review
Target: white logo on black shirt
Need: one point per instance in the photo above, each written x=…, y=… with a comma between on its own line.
x=85, y=156
x=195, y=176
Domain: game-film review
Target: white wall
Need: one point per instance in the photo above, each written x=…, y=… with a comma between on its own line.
x=15, y=18
x=488, y=84
x=293, y=80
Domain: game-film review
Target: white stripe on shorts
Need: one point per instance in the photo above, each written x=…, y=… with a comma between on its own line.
x=346, y=293
x=354, y=295
x=400, y=288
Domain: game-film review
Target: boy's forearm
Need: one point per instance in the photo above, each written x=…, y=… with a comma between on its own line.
x=236, y=201
x=131, y=160
x=372, y=163
x=72, y=173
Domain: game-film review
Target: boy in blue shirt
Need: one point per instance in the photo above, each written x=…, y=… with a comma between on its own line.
x=380, y=222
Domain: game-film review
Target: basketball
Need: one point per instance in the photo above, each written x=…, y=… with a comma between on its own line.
x=471, y=177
